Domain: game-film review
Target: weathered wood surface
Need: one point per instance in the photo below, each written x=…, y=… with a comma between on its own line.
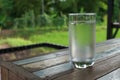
x=13, y=76
x=57, y=66
x=46, y=63
x=41, y=58
x=4, y=72
x=53, y=70
x=115, y=75
x=19, y=71
x=100, y=68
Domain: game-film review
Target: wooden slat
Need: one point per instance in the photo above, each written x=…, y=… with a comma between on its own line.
x=4, y=73
x=40, y=58
x=107, y=53
x=115, y=75
x=105, y=46
x=54, y=61
x=53, y=70
x=110, y=41
x=106, y=60
x=103, y=51
x=116, y=25
x=19, y=71
x=13, y=76
x=101, y=68
x=103, y=58
x=46, y=63
x=34, y=59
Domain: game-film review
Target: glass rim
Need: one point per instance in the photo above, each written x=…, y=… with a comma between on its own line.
x=75, y=14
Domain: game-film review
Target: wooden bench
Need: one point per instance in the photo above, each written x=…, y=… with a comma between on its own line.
x=57, y=65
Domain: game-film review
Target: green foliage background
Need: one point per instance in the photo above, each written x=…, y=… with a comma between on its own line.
x=34, y=25
x=14, y=12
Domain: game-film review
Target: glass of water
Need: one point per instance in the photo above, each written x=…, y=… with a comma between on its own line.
x=82, y=38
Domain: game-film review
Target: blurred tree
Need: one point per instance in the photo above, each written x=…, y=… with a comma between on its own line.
x=116, y=16
x=17, y=8
x=72, y=6
x=5, y=13
x=22, y=6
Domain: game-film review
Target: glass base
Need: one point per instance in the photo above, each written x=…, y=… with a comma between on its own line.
x=83, y=64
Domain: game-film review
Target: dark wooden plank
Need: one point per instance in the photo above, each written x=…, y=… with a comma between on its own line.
x=13, y=76
x=19, y=71
x=110, y=41
x=33, y=59
x=53, y=70
x=100, y=68
x=105, y=46
x=109, y=18
x=105, y=57
x=104, y=51
x=115, y=75
x=40, y=58
x=106, y=60
x=4, y=73
x=57, y=60
x=116, y=25
x=46, y=63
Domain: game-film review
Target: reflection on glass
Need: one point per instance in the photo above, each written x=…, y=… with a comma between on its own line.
x=82, y=39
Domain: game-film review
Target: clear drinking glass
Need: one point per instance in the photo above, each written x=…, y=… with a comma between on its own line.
x=82, y=38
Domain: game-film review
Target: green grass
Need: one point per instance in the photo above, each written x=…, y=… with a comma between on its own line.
x=15, y=41
x=100, y=35
x=52, y=36
x=57, y=37
x=61, y=37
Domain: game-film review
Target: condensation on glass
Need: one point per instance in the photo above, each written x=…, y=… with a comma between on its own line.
x=82, y=38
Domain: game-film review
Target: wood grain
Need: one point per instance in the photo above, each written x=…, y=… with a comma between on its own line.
x=32, y=67
x=41, y=58
x=21, y=72
x=52, y=66
x=13, y=76
x=98, y=70
x=4, y=73
x=48, y=72
x=115, y=75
